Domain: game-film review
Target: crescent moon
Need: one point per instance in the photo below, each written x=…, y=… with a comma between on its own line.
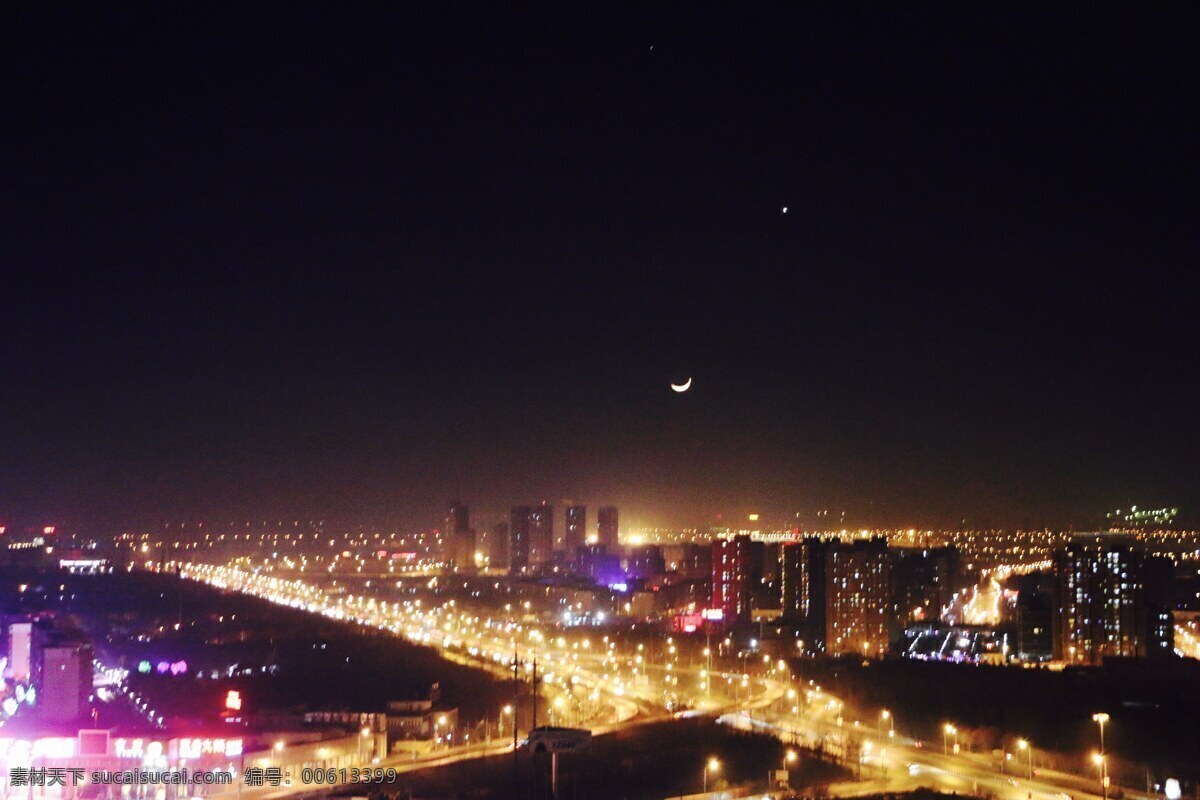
x=684, y=387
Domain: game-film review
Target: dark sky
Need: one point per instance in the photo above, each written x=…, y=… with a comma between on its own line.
x=351, y=259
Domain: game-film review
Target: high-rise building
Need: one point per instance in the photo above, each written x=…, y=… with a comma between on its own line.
x=498, y=550
x=575, y=533
x=66, y=682
x=802, y=589
x=1100, y=599
x=606, y=528
x=840, y=594
x=858, y=598
x=791, y=573
x=731, y=579
x=518, y=538
x=460, y=537
x=541, y=534
x=925, y=581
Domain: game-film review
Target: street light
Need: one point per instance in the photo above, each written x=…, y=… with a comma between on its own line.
x=1102, y=763
x=1027, y=746
x=947, y=731
x=788, y=758
x=1100, y=718
x=886, y=716
x=711, y=765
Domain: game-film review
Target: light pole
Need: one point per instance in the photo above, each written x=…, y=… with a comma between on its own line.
x=947, y=731
x=1027, y=746
x=1101, y=718
x=886, y=716
x=788, y=758
x=713, y=765
x=1102, y=763
x=708, y=672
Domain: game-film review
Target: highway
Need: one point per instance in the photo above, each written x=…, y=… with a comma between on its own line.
x=596, y=684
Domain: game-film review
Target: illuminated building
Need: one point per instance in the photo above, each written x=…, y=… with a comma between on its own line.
x=460, y=537
x=925, y=580
x=731, y=579
x=858, y=597
x=606, y=521
x=1100, y=599
x=518, y=538
x=802, y=583
x=575, y=532
x=541, y=534
x=66, y=682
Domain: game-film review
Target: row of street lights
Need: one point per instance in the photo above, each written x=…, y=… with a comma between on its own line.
x=1100, y=759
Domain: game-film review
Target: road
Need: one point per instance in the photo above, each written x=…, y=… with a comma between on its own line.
x=605, y=689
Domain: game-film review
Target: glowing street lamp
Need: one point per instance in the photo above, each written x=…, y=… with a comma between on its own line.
x=947, y=731
x=1023, y=744
x=1102, y=764
x=712, y=765
x=1101, y=718
x=886, y=716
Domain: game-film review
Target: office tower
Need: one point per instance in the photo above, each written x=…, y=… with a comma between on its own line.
x=1100, y=599
x=925, y=581
x=20, y=651
x=802, y=589
x=460, y=537
x=518, y=538
x=66, y=682
x=858, y=598
x=541, y=534
x=791, y=574
x=606, y=522
x=576, y=529
x=731, y=579
x=498, y=550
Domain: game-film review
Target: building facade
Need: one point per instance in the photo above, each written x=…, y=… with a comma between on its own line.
x=606, y=528
x=1100, y=599
x=460, y=537
x=575, y=530
x=859, y=612
x=541, y=534
x=518, y=538
x=731, y=579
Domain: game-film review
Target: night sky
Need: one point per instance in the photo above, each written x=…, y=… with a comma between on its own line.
x=351, y=260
